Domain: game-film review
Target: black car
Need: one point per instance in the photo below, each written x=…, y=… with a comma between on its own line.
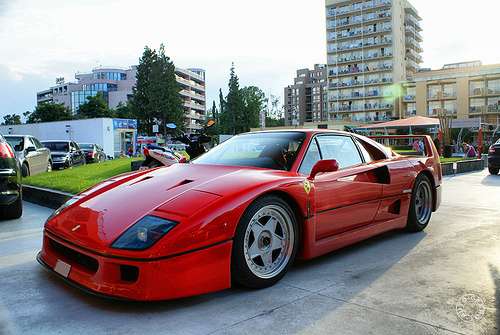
x=11, y=202
x=65, y=153
x=93, y=152
x=494, y=158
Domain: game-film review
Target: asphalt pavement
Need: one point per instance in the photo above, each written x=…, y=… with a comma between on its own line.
x=445, y=280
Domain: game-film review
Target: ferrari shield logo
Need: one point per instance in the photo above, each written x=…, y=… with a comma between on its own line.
x=307, y=186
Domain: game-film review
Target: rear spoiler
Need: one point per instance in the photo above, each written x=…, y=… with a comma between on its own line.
x=404, y=144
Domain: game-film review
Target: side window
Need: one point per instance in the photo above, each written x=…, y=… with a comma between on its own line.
x=341, y=148
x=29, y=143
x=37, y=143
x=310, y=158
x=368, y=157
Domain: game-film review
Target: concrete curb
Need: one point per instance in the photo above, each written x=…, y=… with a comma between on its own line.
x=462, y=166
x=45, y=196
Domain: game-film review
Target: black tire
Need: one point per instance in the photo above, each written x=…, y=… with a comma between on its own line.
x=421, y=204
x=25, y=170
x=14, y=210
x=70, y=163
x=265, y=243
x=493, y=170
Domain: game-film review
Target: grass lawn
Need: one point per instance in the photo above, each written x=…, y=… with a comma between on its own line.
x=80, y=178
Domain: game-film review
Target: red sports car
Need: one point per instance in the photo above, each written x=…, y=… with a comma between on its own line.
x=241, y=213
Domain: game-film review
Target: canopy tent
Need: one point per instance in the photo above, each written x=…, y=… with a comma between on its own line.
x=411, y=122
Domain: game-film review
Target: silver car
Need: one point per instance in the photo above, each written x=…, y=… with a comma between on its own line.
x=33, y=157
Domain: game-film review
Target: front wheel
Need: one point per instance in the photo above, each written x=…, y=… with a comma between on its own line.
x=421, y=202
x=265, y=243
x=493, y=170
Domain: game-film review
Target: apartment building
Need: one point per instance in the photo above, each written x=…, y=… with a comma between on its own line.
x=372, y=47
x=116, y=85
x=465, y=90
x=305, y=100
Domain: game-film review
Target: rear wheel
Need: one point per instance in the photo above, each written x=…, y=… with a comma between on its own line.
x=265, y=243
x=49, y=166
x=493, y=170
x=14, y=210
x=25, y=170
x=421, y=202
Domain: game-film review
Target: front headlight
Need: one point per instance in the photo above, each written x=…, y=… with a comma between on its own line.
x=144, y=233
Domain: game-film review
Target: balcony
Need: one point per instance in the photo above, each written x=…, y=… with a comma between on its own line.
x=356, y=8
x=412, y=21
x=410, y=31
x=414, y=56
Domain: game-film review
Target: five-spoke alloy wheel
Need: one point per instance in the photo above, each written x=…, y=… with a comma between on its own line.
x=265, y=243
x=421, y=204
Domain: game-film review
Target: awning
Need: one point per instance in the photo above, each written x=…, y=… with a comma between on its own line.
x=411, y=122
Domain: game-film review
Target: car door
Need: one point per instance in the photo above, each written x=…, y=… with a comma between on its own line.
x=78, y=155
x=348, y=198
x=33, y=156
x=43, y=155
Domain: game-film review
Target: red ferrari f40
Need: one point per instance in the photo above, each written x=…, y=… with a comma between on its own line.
x=241, y=213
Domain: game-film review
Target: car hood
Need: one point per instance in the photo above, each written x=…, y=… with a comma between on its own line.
x=108, y=209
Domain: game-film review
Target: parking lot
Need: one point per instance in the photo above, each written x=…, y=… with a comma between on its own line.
x=445, y=280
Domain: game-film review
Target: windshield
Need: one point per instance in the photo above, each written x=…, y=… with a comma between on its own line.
x=268, y=150
x=56, y=146
x=16, y=142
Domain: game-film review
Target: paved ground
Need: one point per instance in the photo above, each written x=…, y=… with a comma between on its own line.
x=391, y=284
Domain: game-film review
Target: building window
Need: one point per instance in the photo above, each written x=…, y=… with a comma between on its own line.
x=494, y=86
x=476, y=88
x=433, y=107
x=476, y=105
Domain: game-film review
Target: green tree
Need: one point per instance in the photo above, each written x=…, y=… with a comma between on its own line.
x=94, y=107
x=48, y=112
x=156, y=96
x=124, y=111
x=232, y=114
x=273, y=122
x=11, y=119
x=254, y=100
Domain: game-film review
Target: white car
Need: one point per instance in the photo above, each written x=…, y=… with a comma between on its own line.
x=33, y=157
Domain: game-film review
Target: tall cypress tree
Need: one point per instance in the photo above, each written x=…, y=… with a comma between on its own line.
x=231, y=118
x=157, y=96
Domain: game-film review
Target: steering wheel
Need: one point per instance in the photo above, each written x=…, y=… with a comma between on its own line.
x=278, y=164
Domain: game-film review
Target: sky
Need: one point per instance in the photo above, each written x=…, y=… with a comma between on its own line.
x=268, y=40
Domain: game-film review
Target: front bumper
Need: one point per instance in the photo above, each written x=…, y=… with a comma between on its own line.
x=196, y=272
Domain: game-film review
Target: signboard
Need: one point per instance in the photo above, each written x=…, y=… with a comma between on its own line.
x=466, y=123
x=123, y=124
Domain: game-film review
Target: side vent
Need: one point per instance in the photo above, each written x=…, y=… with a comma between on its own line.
x=382, y=174
x=395, y=207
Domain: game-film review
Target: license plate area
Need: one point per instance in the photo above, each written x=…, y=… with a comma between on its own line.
x=62, y=268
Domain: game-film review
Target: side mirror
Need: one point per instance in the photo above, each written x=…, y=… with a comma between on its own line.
x=30, y=149
x=324, y=165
